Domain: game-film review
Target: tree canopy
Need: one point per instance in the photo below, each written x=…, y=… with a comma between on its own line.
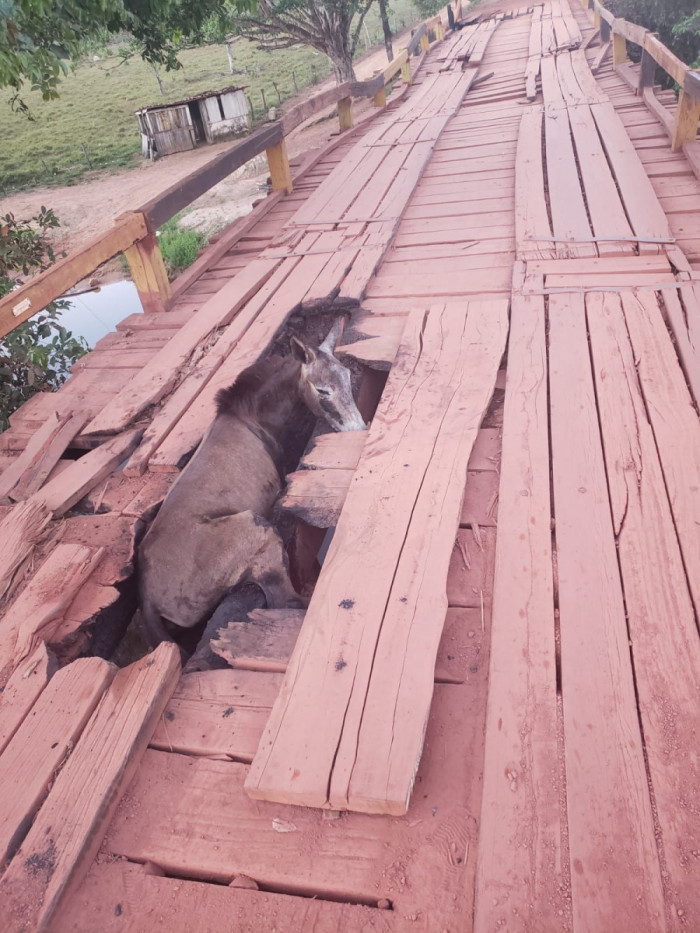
x=676, y=21
x=39, y=37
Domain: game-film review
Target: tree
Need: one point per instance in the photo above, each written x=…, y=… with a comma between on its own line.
x=386, y=28
x=330, y=26
x=37, y=355
x=39, y=37
x=676, y=22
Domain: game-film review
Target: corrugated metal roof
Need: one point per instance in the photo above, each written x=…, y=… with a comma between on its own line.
x=188, y=100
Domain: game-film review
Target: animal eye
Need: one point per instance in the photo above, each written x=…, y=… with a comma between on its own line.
x=323, y=391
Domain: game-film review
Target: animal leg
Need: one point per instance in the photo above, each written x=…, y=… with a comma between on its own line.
x=269, y=569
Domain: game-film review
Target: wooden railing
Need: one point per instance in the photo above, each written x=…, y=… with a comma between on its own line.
x=681, y=127
x=134, y=233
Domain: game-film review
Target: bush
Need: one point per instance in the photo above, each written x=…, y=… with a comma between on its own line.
x=179, y=247
x=36, y=356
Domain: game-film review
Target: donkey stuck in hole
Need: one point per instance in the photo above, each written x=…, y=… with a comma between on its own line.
x=212, y=532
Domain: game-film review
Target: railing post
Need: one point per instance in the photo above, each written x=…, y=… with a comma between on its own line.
x=424, y=42
x=149, y=274
x=345, y=113
x=439, y=31
x=685, y=125
x=647, y=71
x=406, y=72
x=278, y=163
x=619, y=49
x=379, y=98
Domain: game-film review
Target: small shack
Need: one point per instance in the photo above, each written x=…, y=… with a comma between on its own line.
x=185, y=124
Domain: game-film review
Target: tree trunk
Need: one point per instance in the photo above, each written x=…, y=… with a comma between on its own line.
x=342, y=62
x=231, y=63
x=387, y=29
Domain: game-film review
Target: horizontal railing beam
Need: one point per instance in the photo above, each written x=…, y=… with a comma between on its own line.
x=19, y=305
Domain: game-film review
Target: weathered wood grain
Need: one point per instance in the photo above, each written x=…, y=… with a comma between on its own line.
x=448, y=362
x=607, y=792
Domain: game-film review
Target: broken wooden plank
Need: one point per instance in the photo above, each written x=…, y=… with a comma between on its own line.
x=22, y=690
x=449, y=357
x=19, y=531
x=62, y=493
x=339, y=450
x=37, y=610
x=40, y=456
x=519, y=869
x=317, y=496
x=68, y=830
x=607, y=789
x=42, y=744
x=666, y=657
x=376, y=352
x=264, y=641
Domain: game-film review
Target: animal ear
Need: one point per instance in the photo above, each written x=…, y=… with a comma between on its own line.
x=329, y=344
x=303, y=353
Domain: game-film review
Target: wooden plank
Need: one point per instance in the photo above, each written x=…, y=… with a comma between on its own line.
x=382, y=498
x=317, y=496
x=153, y=382
x=569, y=218
x=40, y=456
x=685, y=323
x=262, y=642
x=531, y=218
x=120, y=896
x=220, y=714
x=68, y=488
x=674, y=421
x=607, y=791
x=608, y=216
x=68, y=830
x=340, y=450
x=213, y=830
x=519, y=871
x=22, y=690
x=641, y=204
x=43, y=742
x=19, y=531
x=32, y=617
x=661, y=620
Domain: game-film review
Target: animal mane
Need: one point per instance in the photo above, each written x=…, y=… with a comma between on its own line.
x=240, y=397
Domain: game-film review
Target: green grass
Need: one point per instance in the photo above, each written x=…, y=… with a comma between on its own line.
x=97, y=101
x=179, y=247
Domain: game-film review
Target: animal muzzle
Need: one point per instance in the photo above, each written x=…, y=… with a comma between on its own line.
x=349, y=419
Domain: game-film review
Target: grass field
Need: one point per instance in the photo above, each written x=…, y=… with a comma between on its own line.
x=92, y=124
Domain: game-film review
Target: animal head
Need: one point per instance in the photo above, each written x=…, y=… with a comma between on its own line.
x=325, y=383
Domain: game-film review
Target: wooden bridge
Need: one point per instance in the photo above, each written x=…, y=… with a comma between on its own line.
x=487, y=718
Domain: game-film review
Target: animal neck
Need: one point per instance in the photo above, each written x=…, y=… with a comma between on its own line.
x=282, y=413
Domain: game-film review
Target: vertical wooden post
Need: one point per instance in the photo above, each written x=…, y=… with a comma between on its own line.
x=345, y=113
x=439, y=31
x=685, y=126
x=619, y=49
x=379, y=98
x=647, y=71
x=406, y=72
x=149, y=274
x=424, y=42
x=280, y=172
